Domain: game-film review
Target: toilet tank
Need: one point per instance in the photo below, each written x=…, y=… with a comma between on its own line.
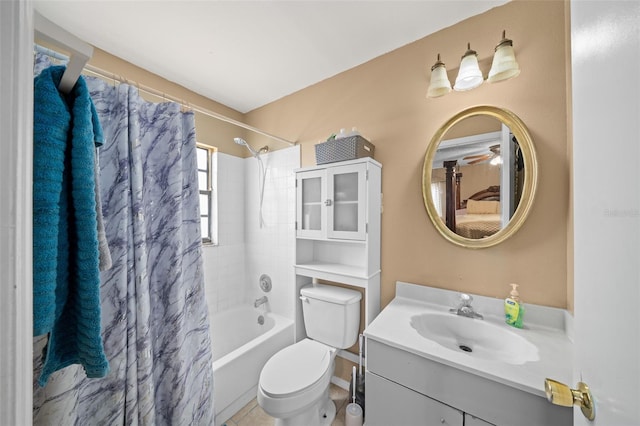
x=331, y=314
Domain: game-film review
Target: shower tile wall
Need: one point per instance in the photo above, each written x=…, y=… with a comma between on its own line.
x=224, y=264
x=246, y=250
x=270, y=249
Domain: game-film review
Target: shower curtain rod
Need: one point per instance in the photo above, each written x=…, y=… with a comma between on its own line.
x=108, y=75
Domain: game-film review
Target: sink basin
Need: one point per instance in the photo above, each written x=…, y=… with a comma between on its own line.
x=475, y=337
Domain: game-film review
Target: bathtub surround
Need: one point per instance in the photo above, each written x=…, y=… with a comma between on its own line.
x=224, y=263
x=270, y=249
x=245, y=251
x=232, y=270
x=155, y=323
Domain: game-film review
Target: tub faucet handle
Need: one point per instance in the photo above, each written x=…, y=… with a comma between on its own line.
x=260, y=301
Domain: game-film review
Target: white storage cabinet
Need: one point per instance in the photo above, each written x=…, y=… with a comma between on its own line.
x=338, y=211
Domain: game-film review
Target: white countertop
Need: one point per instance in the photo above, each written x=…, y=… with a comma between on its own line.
x=549, y=329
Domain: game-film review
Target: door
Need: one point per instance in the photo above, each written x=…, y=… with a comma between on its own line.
x=346, y=207
x=606, y=183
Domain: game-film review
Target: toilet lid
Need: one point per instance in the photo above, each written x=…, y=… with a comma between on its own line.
x=295, y=368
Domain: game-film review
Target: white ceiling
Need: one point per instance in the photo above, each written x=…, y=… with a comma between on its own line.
x=245, y=54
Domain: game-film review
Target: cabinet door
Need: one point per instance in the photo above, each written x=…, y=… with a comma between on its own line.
x=388, y=403
x=310, y=208
x=346, y=204
x=470, y=420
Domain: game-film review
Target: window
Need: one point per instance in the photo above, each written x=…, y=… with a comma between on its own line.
x=208, y=200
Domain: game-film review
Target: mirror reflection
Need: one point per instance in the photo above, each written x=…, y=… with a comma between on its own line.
x=477, y=177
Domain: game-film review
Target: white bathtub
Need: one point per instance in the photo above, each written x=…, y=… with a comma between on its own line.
x=241, y=347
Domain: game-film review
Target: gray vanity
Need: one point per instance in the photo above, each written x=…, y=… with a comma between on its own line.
x=428, y=366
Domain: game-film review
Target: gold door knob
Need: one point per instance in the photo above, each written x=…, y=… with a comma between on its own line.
x=561, y=394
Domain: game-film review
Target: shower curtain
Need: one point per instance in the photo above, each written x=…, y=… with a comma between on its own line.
x=154, y=314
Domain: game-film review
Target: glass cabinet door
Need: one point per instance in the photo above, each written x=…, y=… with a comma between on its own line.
x=346, y=204
x=310, y=209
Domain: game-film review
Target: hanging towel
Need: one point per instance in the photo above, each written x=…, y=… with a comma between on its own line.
x=66, y=281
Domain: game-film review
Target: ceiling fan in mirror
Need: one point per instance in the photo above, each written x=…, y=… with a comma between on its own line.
x=493, y=155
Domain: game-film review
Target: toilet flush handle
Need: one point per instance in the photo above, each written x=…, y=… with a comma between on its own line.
x=304, y=299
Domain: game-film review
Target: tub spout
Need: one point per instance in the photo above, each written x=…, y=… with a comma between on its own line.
x=260, y=301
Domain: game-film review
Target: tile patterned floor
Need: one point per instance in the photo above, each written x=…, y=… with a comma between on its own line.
x=253, y=415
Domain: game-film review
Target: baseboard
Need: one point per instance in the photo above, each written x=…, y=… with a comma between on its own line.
x=349, y=356
x=341, y=383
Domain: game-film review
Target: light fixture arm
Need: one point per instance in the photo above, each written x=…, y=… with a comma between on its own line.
x=469, y=51
x=438, y=63
x=504, y=42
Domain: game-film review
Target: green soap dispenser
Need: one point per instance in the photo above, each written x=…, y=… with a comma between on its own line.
x=513, y=309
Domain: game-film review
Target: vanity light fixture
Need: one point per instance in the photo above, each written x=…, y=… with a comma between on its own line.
x=504, y=64
x=469, y=76
x=503, y=67
x=439, y=84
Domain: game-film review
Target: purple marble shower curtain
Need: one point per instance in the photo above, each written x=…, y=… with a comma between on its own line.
x=154, y=314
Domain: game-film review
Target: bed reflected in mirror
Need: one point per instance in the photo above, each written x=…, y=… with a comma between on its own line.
x=478, y=169
x=476, y=177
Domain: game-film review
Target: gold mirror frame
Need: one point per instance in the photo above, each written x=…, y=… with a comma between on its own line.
x=521, y=133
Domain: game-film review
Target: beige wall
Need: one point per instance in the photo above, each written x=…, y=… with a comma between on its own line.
x=209, y=131
x=385, y=99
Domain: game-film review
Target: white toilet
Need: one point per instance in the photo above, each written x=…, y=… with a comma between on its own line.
x=294, y=383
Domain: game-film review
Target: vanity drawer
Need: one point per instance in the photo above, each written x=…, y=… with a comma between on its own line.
x=388, y=403
x=481, y=397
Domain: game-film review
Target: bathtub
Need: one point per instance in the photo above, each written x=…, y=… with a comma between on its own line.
x=241, y=346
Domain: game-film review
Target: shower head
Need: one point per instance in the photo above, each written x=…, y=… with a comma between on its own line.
x=241, y=141
x=255, y=153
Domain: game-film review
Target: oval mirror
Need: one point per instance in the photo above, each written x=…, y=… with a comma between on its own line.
x=479, y=176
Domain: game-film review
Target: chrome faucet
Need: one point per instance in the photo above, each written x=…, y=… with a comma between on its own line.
x=464, y=308
x=260, y=301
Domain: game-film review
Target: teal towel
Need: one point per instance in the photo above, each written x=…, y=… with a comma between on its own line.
x=66, y=277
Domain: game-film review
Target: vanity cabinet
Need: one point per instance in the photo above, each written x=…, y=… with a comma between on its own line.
x=419, y=391
x=388, y=403
x=338, y=208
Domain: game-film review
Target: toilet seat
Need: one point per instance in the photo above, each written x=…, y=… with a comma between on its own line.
x=306, y=363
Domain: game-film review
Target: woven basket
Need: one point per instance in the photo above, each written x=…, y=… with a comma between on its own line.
x=343, y=149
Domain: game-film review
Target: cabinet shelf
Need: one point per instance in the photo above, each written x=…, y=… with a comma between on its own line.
x=325, y=239
x=349, y=274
